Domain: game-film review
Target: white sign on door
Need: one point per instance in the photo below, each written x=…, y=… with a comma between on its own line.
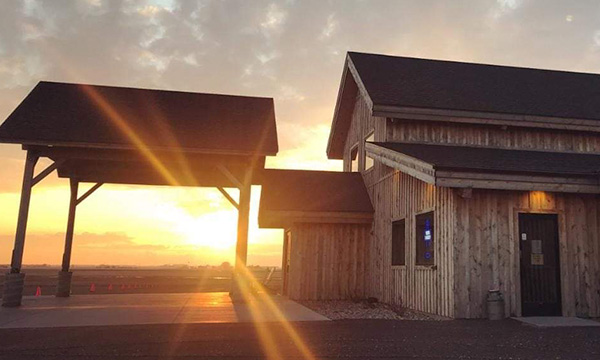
x=536, y=247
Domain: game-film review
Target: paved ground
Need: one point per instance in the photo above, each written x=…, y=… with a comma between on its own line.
x=557, y=321
x=131, y=309
x=353, y=339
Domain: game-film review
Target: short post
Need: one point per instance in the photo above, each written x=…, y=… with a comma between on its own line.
x=495, y=305
x=240, y=278
x=15, y=279
x=63, y=288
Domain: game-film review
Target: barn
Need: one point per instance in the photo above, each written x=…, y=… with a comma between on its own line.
x=480, y=178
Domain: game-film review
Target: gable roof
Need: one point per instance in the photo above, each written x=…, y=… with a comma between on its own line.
x=61, y=114
x=289, y=196
x=393, y=83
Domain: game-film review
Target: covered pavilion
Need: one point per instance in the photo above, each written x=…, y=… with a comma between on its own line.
x=100, y=134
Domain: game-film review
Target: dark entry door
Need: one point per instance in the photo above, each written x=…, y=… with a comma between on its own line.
x=540, y=266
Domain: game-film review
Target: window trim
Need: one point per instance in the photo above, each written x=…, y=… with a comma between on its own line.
x=352, y=149
x=415, y=256
x=392, y=221
x=364, y=151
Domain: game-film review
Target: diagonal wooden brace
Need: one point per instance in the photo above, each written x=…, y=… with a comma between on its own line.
x=228, y=197
x=88, y=193
x=230, y=176
x=47, y=171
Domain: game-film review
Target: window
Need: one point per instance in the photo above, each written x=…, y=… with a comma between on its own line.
x=354, y=158
x=425, y=240
x=369, y=161
x=398, y=243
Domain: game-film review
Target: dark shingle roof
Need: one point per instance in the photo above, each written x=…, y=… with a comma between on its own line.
x=88, y=115
x=422, y=83
x=314, y=191
x=405, y=82
x=464, y=158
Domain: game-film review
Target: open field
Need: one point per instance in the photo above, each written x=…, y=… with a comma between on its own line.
x=139, y=280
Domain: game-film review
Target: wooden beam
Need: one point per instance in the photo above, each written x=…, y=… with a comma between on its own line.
x=47, y=171
x=228, y=197
x=407, y=164
x=17, y=254
x=230, y=176
x=66, y=262
x=168, y=158
x=26, y=145
x=87, y=193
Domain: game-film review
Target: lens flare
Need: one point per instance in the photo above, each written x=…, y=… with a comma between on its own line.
x=249, y=286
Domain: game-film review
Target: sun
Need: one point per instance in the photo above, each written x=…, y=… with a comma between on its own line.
x=216, y=230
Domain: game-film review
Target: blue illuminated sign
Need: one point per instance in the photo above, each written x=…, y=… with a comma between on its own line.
x=427, y=238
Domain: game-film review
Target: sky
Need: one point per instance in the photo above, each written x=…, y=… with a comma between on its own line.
x=290, y=50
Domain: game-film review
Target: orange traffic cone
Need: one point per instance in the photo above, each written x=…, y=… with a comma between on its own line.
x=38, y=291
x=110, y=287
x=93, y=288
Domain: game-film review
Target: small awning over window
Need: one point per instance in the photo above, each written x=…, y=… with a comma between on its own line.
x=300, y=196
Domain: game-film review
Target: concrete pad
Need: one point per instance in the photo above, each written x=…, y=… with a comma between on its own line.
x=556, y=321
x=132, y=309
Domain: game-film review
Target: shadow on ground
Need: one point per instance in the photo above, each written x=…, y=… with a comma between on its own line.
x=357, y=339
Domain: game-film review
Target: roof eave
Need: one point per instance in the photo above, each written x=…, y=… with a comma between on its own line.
x=275, y=219
x=480, y=179
x=474, y=117
x=29, y=143
x=341, y=123
x=336, y=154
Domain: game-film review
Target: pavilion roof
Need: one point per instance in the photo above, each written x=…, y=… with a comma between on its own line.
x=107, y=117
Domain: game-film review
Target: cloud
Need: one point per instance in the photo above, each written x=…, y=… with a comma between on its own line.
x=88, y=248
x=11, y=172
x=290, y=50
x=114, y=242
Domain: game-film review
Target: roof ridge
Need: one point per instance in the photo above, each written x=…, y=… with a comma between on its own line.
x=474, y=63
x=149, y=89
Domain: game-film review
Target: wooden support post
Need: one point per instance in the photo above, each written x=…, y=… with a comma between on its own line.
x=13, y=286
x=63, y=288
x=17, y=254
x=241, y=249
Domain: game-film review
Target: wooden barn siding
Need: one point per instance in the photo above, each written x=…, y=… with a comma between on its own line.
x=395, y=195
x=329, y=261
x=362, y=124
x=429, y=289
x=400, y=130
x=486, y=249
